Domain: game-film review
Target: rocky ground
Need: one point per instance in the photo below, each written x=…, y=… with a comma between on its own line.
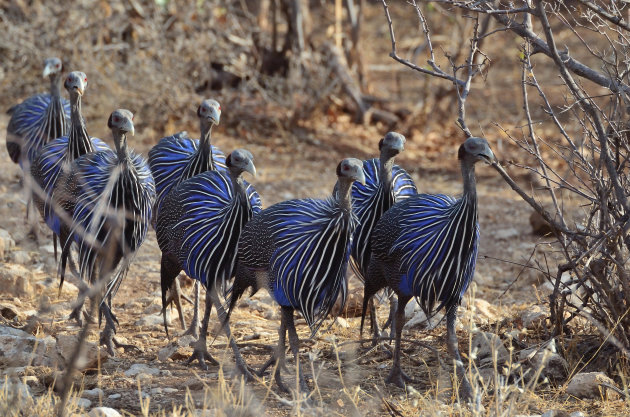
x=503, y=321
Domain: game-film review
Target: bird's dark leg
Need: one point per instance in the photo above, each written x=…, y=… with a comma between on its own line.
x=294, y=343
x=391, y=319
x=465, y=389
x=194, y=326
x=168, y=274
x=240, y=362
x=374, y=321
x=107, y=335
x=396, y=375
x=200, y=352
x=175, y=297
x=278, y=357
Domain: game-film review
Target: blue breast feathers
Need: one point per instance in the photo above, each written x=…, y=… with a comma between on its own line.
x=211, y=225
x=170, y=158
x=113, y=201
x=53, y=160
x=437, y=248
x=30, y=121
x=312, y=241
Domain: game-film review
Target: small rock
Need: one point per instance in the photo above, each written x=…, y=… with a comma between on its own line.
x=16, y=280
x=154, y=320
x=555, y=413
x=18, y=348
x=534, y=317
x=540, y=226
x=14, y=388
x=21, y=257
x=6, y=243
x=91, y=353
x=547, y=360
x=588, y=385
x=114, y=396
x=488, y=347
x=577, y=414
x=169, y=390
x=171, y=350
x=104, y=411
x=95, y=392
x=8, y=311
x=49, y=249
x=343, y=322
x=141, y=368
x=505, y=234
x=83, y=403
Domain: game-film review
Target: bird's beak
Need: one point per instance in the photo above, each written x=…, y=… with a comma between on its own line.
x=48, y=69
x=78, y=90
x=128, y=127
x=360, y=177
x=214, y=116
x=251, y=168
x=488, y=156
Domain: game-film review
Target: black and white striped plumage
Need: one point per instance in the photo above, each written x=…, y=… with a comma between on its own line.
x=178, y=157
x=38, y=119
x=299, y=249
x=55, y=158
x=198, y=230
x=114, y=194
x=426, y=247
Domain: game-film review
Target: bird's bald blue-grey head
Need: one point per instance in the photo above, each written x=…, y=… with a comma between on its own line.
x=351, y=168
x=392, y=144
x=476, y=149
x=121, y=120
x=241, y=160
x=52, y=67
x=76, y=82
x=209, y=111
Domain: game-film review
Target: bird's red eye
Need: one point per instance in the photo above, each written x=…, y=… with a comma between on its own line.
x=57, y=66
x=219, y=108
x=116, y=119
x=85, y=79
x=69, y=79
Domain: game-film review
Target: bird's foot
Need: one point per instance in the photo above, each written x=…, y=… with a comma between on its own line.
x=398, y=377
x=107, y=340
x=193, y=330
x=79, y=314
x=126, y=347
x=202, y=355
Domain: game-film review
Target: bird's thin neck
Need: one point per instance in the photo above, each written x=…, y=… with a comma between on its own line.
x=468, y=176
x=120, y=141
x=79, y=142
x=205, y=146
x=238, y=183
x=385, y=170
x=344, y=194
x=55, y=90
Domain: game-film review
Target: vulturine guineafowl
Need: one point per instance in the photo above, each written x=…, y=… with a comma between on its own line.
x=426, y=247
x=114, y=197
x=174, y=160
x=198, y=229
x=385, y=184
x=299, y=250
x=56, y=157
x=38, y=119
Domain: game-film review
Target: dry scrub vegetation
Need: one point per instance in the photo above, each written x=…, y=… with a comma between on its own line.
x=561, y=299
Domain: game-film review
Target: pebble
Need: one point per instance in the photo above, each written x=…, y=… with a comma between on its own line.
x=84, y=403
x=114, y=396
x=588, y=385
x=104, y=412
x=95, y=392
x=140, y=368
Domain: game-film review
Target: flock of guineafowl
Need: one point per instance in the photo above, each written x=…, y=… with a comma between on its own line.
x=210, y=223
